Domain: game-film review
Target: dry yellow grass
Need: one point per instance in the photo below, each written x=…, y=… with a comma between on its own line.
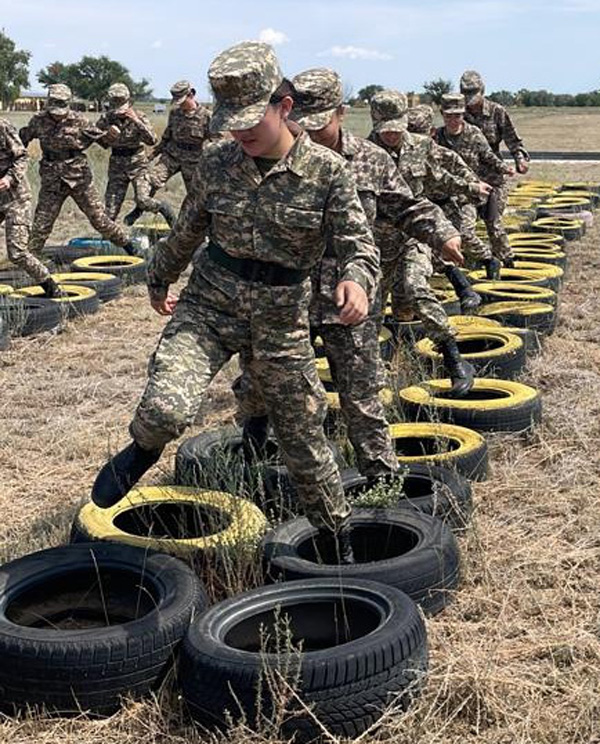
x=514, y=660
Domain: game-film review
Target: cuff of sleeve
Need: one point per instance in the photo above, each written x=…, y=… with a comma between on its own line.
x=474, y=190
x=357, y=276
x=158, y=292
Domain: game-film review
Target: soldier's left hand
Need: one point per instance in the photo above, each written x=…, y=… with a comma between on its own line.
x=522, y=166
x=4, y=183
x=353, y=302
x=451, y=251
x=130, y=114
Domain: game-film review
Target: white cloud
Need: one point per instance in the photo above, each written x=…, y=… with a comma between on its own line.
x=273, y=37
x=157, y=44
x=352, y=52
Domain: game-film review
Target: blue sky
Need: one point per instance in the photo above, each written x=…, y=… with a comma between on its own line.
x=400, y=44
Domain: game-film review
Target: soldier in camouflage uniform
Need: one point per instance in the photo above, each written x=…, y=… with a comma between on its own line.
x=127, y=131
x=15, y=208
x=267, y=201
x=352, y=351
x=406, y=265
x=496, y=125
x=469, y=142
x=179, y=149
x=64, y=136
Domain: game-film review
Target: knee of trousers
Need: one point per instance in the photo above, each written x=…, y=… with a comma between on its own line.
x=157, y=421
x=250, y=401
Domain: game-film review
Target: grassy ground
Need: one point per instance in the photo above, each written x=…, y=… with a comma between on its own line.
x=514, y=660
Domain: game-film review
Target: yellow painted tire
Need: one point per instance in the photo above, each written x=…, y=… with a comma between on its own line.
x=108, y=286
x=525, y=238
x=541, y=254
x=491, y=405
x=130, y=269
x=539, y=316
x=6, y=289
x=570, y=229
x=507, y=291
x=464, y=323
x=218, y=520
x=514, y=276
x=493, y=352
x=576, y=185
x=79, y=300
x=454, y=447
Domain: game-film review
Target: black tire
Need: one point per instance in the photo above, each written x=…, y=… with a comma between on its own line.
x=531, y=339
x=214, y=459
x=53, y=611
x=4, y=334
x=446, y=445
x=490, y=405
x=512, y=292
x=428, y=489
x=107, y=286
x=403, y=548
x=78, y=300
x=17, y=278
x=382, y=656
x=131, y=269
x=538, y=316
x=493, y=352
x=29, y=315
x=64, y=255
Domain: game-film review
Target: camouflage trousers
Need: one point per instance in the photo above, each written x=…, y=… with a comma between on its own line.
x=408, y=281
x=17, y=216
x=217, y=316
x=121, y=173
x=53, y=194
x=357, y=376
x=160, y=171
x=492, y=216
x=464, y=219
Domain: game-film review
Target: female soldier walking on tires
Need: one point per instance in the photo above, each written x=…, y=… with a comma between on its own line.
x=268, y=201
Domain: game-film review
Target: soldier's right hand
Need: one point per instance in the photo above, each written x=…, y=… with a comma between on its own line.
x=113, y=131
x=166, y=306
x=451, y=251
x=4, y=183
x=485, y=189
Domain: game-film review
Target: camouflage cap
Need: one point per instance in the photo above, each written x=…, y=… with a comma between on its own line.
x=453, y=103
x=318, y=94
x=59, y=96
x=420, y=119
x=388, y=111
x=243, y=79
x=180, y=91
x=118, y=97
x=471, y=82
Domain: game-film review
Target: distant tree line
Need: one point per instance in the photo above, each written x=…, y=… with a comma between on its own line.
x=526, y=97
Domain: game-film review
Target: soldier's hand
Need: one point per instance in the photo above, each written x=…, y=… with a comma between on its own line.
x=485, y=189
x=353, y=302
x=522, y=166
x=510, y=171
x=165, y=306
x=130, y=114
x=4, y=183
x=113, y=131
x=451, y=251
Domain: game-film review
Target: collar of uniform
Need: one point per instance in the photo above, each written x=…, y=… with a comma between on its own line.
x=296, y=159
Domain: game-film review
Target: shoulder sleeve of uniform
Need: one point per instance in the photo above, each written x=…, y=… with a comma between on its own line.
x=30, y=131
x=147, y=133
x=348, y=231
x=509, y=134
x=174, y=253
x=18, y=153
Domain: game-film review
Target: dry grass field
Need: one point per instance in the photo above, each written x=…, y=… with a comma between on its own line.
x=515, y=659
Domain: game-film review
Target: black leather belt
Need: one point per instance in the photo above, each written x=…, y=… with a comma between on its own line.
x=252, y=270
x=195, y=147
x=56, y=155
x=122, y=152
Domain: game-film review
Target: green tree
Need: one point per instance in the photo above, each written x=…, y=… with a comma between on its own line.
x=366, y=93
x=503, y=97
x=14, y=70
x=435, y=89
x=91, y=77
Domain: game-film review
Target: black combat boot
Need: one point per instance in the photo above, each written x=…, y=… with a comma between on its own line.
x=168, y=213
x=51, y=289
x=469, y=299
x=122, y=472
x=509, y=263
x=460, y=372
x=133, y=216
x=254, y=438
x=492, y=269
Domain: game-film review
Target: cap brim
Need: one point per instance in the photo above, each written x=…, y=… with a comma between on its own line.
x=226, y=118
x=392, y=125
x=57, y=111
x=176, y=102
x=454, y=111
x=313, y=122
x=121, y=109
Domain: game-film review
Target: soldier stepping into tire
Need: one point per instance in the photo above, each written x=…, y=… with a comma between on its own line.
x=179, y=149
x=64, y=136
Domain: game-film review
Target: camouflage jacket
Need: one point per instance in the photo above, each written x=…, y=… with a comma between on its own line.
x=67, y=137
x=307, y=200
x=422, y=166
x=496, y=125
x=13, y=164
x=385, y=197
x=133, y=136
x=453, y=163
x=185, y=131
x=474, y=149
